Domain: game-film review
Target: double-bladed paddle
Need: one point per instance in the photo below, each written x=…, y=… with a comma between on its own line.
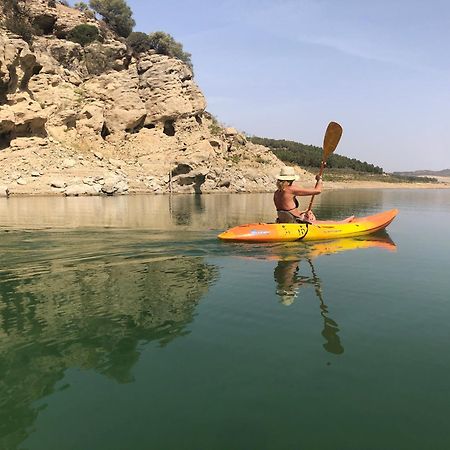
x=330, y=141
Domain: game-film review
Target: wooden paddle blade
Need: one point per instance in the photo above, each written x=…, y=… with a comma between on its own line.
x=331, y=139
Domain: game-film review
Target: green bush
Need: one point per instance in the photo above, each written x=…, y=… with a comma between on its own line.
x=81, y=6
x=83, y=34
x=139, y=42
x=116, y=13
x=165, y=44
x=84, y=8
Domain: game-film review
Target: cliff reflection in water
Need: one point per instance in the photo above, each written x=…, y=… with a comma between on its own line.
x=158, y=212
x=293, y=273
x=74, y=310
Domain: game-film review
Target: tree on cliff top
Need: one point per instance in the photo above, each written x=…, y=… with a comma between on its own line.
x=81, y=6
x=165, y=44
x=139, y=42
x=116, y=13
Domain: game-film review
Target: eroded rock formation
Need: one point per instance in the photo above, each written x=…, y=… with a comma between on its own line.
x=73, y=118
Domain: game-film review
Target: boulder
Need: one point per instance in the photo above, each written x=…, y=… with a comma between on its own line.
x=114, y=185
x=252, y=174
x=224, y=183
x=196, y=177
x=89, y=181
x=76, y=190
x=68, y=163
x=4, y=191
x=230, y=131
x=58, y=184
x=91, y=119
x=7, y=120
x=122, y=187
x=29, y=117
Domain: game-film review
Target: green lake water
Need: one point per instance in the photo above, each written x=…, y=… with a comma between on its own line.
x=126, y=324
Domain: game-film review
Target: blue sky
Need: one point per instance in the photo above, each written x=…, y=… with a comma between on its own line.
x=284, y=69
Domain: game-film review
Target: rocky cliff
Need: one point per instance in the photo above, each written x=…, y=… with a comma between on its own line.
x=98, y=120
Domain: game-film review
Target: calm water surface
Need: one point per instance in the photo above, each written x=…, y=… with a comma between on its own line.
x=125, y=324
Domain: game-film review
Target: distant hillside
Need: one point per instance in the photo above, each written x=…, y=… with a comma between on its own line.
x=311, y=156
x=424, y=173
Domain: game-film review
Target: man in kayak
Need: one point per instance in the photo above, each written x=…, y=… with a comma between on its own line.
x=285, y=197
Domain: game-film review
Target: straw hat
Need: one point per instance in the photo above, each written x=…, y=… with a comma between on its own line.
x=287, y=174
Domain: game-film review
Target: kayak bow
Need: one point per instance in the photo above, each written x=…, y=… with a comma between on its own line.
x=272, y=232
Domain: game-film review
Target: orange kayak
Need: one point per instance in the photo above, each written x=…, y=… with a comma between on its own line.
x=318, y=231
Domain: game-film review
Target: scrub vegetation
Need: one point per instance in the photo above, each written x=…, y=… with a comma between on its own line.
x=83, y=34
x=116, y=14
x=162, y=43
x=339, y=168
x=165, y=44
x=119, y=17
x=311, y=156
x=139, y=42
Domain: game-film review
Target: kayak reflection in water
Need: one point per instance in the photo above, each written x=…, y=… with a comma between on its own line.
x=289, y=281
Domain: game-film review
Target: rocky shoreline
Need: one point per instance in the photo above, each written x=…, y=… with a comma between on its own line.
x=116, y=183
x=34, y=166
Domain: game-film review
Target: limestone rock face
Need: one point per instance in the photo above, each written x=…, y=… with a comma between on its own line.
x=66, y=54
x=20, y=114
x=168, y=88
x=104, y=57
x=42, y=16
x=17, y=66
x=119, y=93
x=97, y=120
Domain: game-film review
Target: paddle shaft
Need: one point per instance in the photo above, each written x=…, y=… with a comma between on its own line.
x=322, y=166
x=330, y=141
